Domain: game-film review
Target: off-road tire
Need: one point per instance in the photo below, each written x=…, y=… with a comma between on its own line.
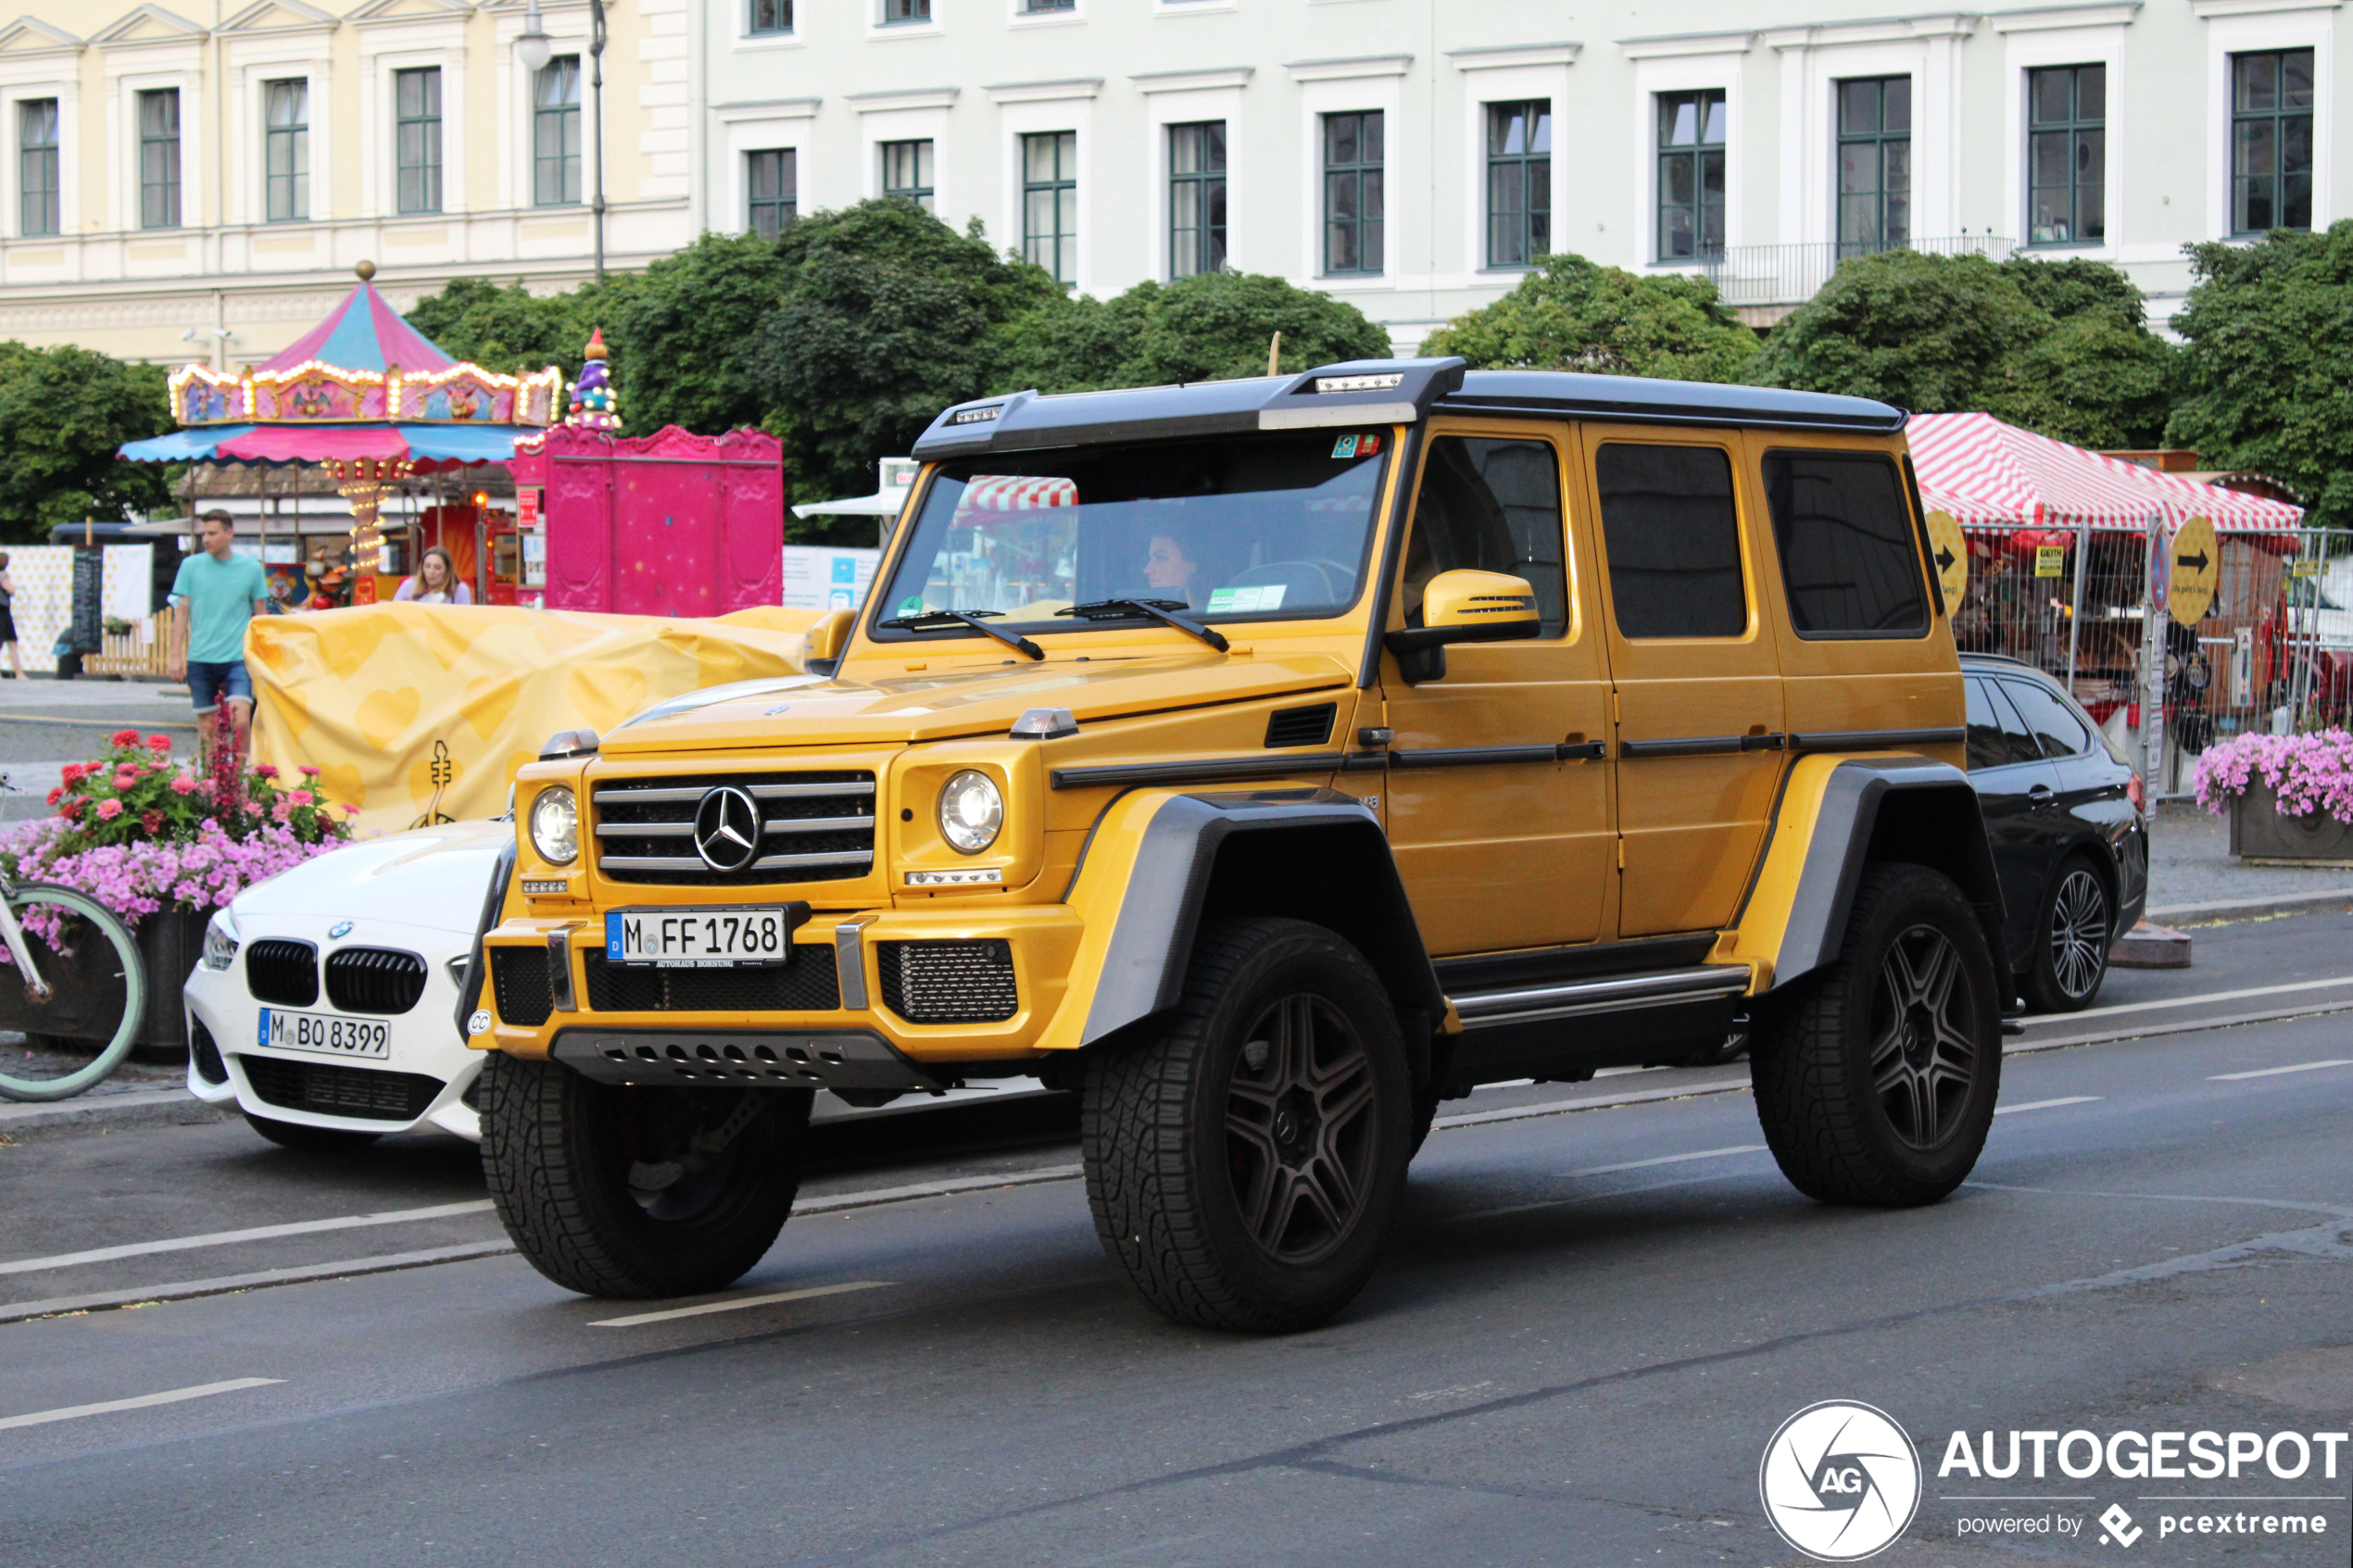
x=1426, y=1102
x=2071, y=940
x=308, y=1139
x=1812, y=1059
x=1163, y=1160
x=556, y=1157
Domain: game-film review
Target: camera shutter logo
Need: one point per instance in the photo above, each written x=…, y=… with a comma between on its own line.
x=726, y=828
x=1840, y=1481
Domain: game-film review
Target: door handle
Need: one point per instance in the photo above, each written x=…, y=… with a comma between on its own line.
x=2040, y=797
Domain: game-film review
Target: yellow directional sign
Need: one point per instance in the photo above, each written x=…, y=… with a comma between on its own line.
x=1950, y=552
x=2197, y=558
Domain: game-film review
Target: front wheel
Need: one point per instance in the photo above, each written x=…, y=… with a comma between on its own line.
x=80, y=1009
x=2072, y=940
x=633, y=1191
x=1243, y=1168
x=1876, y=1082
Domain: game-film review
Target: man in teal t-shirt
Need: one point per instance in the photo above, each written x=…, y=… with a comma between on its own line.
x=218, y=590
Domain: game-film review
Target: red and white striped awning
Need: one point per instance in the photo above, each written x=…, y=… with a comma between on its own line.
x=1985, y=472
x=1015, y=492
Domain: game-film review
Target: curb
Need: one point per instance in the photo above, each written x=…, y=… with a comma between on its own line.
x=141, y=1108
x=2248, y=906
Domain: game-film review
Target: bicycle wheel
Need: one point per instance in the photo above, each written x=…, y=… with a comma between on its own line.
x=78, y=1030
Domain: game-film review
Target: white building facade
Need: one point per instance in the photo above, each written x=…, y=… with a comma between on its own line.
x=1412, y=155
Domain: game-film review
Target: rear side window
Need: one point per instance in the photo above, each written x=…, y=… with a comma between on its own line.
x=1849, y=560
x=1673, y=540
x=1490, y=505
x=1997, y=736
x=2057, y=731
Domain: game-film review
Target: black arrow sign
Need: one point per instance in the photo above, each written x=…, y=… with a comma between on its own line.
x=1944, y=559
x=2195, y=562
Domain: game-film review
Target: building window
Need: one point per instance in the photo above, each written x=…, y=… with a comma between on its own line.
x=1040, y=7
x=770, y=16
x=37, y=166
x=2066, y=155
x=906, y=11
x=286, y=149
x=772, y=190
x=555, y=132
x=1519, y=182
x=1050, y=202
x=906, y=172
x=1874, y=163
x=159, y=158
x=2270, y=141
x=1196, y=198
x=1353, y=200
x=1691, y=175
x=416, y=109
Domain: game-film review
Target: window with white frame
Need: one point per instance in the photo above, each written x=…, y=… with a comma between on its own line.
x=37, y=184
x=1690, y=174
x=285, y=157
x=1196, y=198
x=897, y=12
x=2066, y=155
x=1355, y=198
x=555, y=132
x=159, y=158
x=769, y=17
x=907, y=172
x=1874, y=163
x=2270, y=141
x=416, y=115
x=1050, y=202
x=1519, y=182
x=771, y=191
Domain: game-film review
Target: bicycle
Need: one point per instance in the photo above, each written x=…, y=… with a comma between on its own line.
x=65, y=995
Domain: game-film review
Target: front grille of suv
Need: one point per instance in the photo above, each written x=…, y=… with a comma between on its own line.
x=950, y=982
x=377, y=980
x=815, y=827
x=285, y=973
x=520, y=977
x=328, y=1089
x=808, y=984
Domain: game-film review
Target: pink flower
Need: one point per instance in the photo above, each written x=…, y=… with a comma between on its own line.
x=266, y=770
x=281, y=811
x=70, y=807
x=160, y=745
x=300, y=797
x=151, y=820
x=109, y=809
x=73, y=772
x=125, y=777
x=308, y=771
x=57, y=794
x=126, y=737
x=183, y=785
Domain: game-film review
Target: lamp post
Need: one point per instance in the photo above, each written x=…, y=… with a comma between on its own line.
x=535, y=49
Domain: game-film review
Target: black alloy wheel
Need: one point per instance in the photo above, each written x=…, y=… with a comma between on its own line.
x=1923, y=1050
x=2078, y=928
x=1300, y=1129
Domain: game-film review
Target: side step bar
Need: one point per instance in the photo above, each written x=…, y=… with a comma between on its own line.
x=1616, y=992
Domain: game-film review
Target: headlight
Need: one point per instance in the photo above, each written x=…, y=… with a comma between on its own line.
x=971, y=811
x=220, y=941
x=554, y=825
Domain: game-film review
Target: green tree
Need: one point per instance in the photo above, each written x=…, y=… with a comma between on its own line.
x=1216, y=326
x=2059, y=347
x=2267, y=372
x=681, y=337
x=1571, y=314
x=514, y=331
x=63, y=413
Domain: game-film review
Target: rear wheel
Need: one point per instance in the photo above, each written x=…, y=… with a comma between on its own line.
x=1876, y=1081
x=2072, y=940
x=635, y=1191
x=1243, y=1168
x=308, y=1139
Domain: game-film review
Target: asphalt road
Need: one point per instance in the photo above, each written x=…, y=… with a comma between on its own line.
x=1589, y=1325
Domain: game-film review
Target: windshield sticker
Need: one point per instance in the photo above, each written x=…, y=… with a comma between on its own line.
x=1356, y=447
x=1242, y=601
x=911, y=605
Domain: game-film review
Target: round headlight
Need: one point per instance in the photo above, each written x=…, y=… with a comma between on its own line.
x=971, y=811
x=554, y=825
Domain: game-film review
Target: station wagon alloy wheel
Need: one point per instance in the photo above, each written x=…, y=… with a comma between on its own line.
x=1300, y=1129
x=2079, y=934
x=1922, y=1054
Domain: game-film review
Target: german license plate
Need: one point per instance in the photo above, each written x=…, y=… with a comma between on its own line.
x=716, y=938
x=327, y=1035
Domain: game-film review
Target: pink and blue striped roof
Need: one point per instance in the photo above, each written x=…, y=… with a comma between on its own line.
x=363, y=333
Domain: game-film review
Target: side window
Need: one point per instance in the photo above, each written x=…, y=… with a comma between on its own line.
x=1987, y=746
x=2057, y=731
x=1849, y=562
x=1673, y=539
x=1490, y=505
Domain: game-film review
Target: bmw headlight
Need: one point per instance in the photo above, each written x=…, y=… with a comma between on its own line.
x=554, y=825
x=971, y=811
x=220, y=941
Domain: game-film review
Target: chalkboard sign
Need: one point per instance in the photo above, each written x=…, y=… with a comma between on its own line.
x=89, y=625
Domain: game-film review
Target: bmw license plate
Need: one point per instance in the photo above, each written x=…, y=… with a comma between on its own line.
x=327, y=1035
x=714, y=938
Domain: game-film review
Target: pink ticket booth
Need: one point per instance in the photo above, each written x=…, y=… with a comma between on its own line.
x=670, y=523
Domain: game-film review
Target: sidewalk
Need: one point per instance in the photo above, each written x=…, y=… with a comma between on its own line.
x=2190, y=863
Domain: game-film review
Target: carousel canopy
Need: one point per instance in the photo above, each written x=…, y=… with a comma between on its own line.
x=1984, y=472
x=363, y=383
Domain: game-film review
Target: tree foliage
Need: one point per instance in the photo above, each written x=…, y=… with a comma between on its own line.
x=1571, y=314
x=2267, y=375
x=681, y=332
x=514, y=331
x=1214, y=326
x=2062, y=347
x=63, y=412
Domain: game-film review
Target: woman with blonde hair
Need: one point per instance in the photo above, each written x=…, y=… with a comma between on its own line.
x=437, y=582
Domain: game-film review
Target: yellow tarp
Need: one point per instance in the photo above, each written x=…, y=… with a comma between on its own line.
x=421, y=713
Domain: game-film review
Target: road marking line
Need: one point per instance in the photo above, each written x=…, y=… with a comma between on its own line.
x=953, y=1184
x=2276, y=1071
x=170, y=1397
x=147, y=1295
x=2190, y=1001
x=740, y=1303
x=1594, y=1102
x=1667, y=1159
x=2043, y=1104
x=256, y=1232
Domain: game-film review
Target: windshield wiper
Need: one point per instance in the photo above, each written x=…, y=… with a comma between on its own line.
x=971, y=618
x=1161, y=610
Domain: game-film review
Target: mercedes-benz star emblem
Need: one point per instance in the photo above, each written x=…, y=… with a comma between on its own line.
x=726, y=828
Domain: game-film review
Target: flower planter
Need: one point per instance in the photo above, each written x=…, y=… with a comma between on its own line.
x=169, y=944
x=2261, y=836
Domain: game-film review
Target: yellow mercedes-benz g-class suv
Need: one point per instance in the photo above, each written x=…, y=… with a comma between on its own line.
x=1268, y=761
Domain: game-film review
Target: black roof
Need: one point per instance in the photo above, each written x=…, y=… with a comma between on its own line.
x=1377, y=391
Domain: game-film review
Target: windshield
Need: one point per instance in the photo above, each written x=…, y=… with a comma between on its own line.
x=1255, y=527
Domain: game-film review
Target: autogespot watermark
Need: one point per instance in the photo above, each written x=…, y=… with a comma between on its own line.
x=1841, y=1482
